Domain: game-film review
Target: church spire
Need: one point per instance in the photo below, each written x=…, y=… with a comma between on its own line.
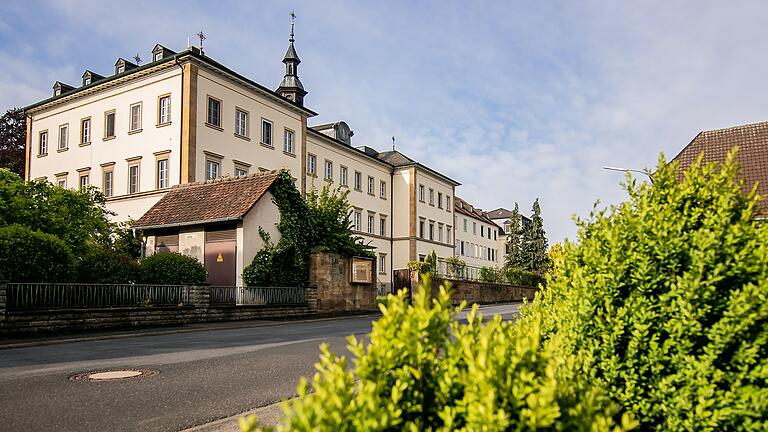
x=291, y=87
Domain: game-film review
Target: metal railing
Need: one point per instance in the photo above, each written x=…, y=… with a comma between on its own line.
x=28, y=296
x=221, y=295
x=465, y=272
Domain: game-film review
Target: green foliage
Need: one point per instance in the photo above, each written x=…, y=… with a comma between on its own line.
x=319, y=223
x=106, y=266
x=516, y=276
x=491, y=275
x=78, y=217
x=534, y=243
x=13, y=135
x=424, y=371
x=456, y=267
x=27, y=255
x=514, y=257
x=663, y=302
x=126, y=240
x=170, y=268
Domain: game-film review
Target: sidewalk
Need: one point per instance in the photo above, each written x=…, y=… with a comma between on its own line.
x=268, y=416
x=156, y=331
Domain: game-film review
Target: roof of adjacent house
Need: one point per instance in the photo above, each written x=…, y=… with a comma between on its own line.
x=752, y=140
x=465, y=208
x=502, y=213
x=220, y=200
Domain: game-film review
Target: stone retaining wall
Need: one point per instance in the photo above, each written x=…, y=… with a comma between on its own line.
x=331, y=275
x=481, y=292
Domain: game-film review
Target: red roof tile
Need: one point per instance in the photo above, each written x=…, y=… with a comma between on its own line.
x=752, y=140
x=221, y=199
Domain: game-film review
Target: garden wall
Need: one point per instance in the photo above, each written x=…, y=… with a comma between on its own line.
x=479, y=292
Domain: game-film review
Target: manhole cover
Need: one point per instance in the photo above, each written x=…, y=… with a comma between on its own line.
x=113, y=375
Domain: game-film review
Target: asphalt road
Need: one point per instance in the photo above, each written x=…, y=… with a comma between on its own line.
x=204, y=375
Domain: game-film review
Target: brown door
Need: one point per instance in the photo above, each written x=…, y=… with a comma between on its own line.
x=220, y=249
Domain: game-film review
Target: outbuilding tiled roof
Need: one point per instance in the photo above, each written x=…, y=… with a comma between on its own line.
x=216, y=200
x=465, y=208
x=752, y=140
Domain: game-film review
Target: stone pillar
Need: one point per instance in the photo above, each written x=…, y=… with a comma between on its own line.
x=310, y=296
x=200, y=297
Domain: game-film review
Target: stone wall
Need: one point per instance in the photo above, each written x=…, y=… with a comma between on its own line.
x=330, y=275
x=480, y=292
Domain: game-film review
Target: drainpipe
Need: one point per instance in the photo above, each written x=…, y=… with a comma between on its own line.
x=181, y=123
x=391, y=232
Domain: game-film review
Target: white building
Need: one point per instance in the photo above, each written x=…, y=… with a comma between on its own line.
x=185, y=118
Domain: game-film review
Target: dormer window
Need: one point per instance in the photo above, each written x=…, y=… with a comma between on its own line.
x=87, y=81
x=120, y=69
x=158, y=56
x=57, y=92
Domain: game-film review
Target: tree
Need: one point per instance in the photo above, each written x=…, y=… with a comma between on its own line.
x=514, y=257
x=77, y=217
x=13, y=139
x=535, y=243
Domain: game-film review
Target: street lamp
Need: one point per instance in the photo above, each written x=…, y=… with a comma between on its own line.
x=610, y=168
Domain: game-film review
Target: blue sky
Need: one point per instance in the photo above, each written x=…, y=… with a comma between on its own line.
x=516, y=100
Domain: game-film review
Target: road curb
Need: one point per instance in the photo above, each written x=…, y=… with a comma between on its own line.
x=268, y=416
x=235, y=326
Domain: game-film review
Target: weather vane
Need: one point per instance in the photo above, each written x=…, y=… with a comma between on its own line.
x=293, y=20
x=393, y=143
x=201, y=36
x=137, y=59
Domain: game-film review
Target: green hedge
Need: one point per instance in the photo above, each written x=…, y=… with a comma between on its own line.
x=106, y=266
x=32, y=256
x=172, y=269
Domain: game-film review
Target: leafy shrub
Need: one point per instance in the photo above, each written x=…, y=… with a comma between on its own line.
x=516, y=276
x=663, y=302
x=455, y=266
x=27, y=255
x=106, y=266
x=170, y=268
x=423, y=370
x=491, y=275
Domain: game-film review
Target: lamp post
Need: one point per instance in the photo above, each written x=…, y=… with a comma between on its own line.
x=610, y=168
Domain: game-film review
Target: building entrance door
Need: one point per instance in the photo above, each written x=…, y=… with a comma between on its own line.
x=220, y=252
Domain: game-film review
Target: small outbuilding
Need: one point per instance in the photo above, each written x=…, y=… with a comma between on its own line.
x=217, y=222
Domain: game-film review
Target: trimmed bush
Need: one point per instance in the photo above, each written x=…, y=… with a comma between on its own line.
x=170, y=268
x=663, y=302
x=516, y=276
x=32, y=256
x=105, y=266
x=422, y=370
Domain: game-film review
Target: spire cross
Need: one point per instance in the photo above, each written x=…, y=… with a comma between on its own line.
x=293, y=19
x=201, y=36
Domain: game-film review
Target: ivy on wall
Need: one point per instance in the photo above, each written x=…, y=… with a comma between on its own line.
x=321, y=222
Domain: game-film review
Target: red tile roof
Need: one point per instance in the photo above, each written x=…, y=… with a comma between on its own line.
x=752, y=140
x=216, y=200
x=465, y=208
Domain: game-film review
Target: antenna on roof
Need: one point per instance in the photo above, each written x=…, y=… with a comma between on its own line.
x=393, y=143
x=137, y=59
x=201, y=36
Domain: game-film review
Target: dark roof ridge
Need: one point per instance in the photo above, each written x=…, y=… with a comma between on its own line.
x=224, y=179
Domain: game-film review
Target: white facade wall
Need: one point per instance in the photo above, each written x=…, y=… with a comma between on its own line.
x=362, y=202
x=264, y=214
x=118, y=152
x=436, y=213
x=222, y=145
x=479, y=248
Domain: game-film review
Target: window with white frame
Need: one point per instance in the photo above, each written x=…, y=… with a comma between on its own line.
x=288, y=141
x=382, y=189
x=214, y=112
x=164, y=110
x=109, y=124
x=465, y=224
x=135, y=124
x=63, y=137
x=421, y=193
x=42, y=148
x=474, y=228
x=431, y=196
x=158, y=56
x=371, y=223
x=421, y=228
x=439, y=200
x=358, y=181
x=343, y=175
x=266, y=132
x=382, y=226
x=448, y=203
x=61, y=181
x=440, y=232
x=328, y=172
x=241, y=122
x=431, y=230
x=212, y=169
x=370, y=185
x=382, y=263
x=133, y=178
x=240, y=171
x=448, y=233
x=311, y=164
x=107, y=182
x=85, y=131
x=357, y=220
x=162, y=174
x=84, y=181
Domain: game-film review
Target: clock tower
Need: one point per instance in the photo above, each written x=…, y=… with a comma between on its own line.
x=291, y=87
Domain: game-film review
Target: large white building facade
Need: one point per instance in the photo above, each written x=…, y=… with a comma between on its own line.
x=183, y=118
